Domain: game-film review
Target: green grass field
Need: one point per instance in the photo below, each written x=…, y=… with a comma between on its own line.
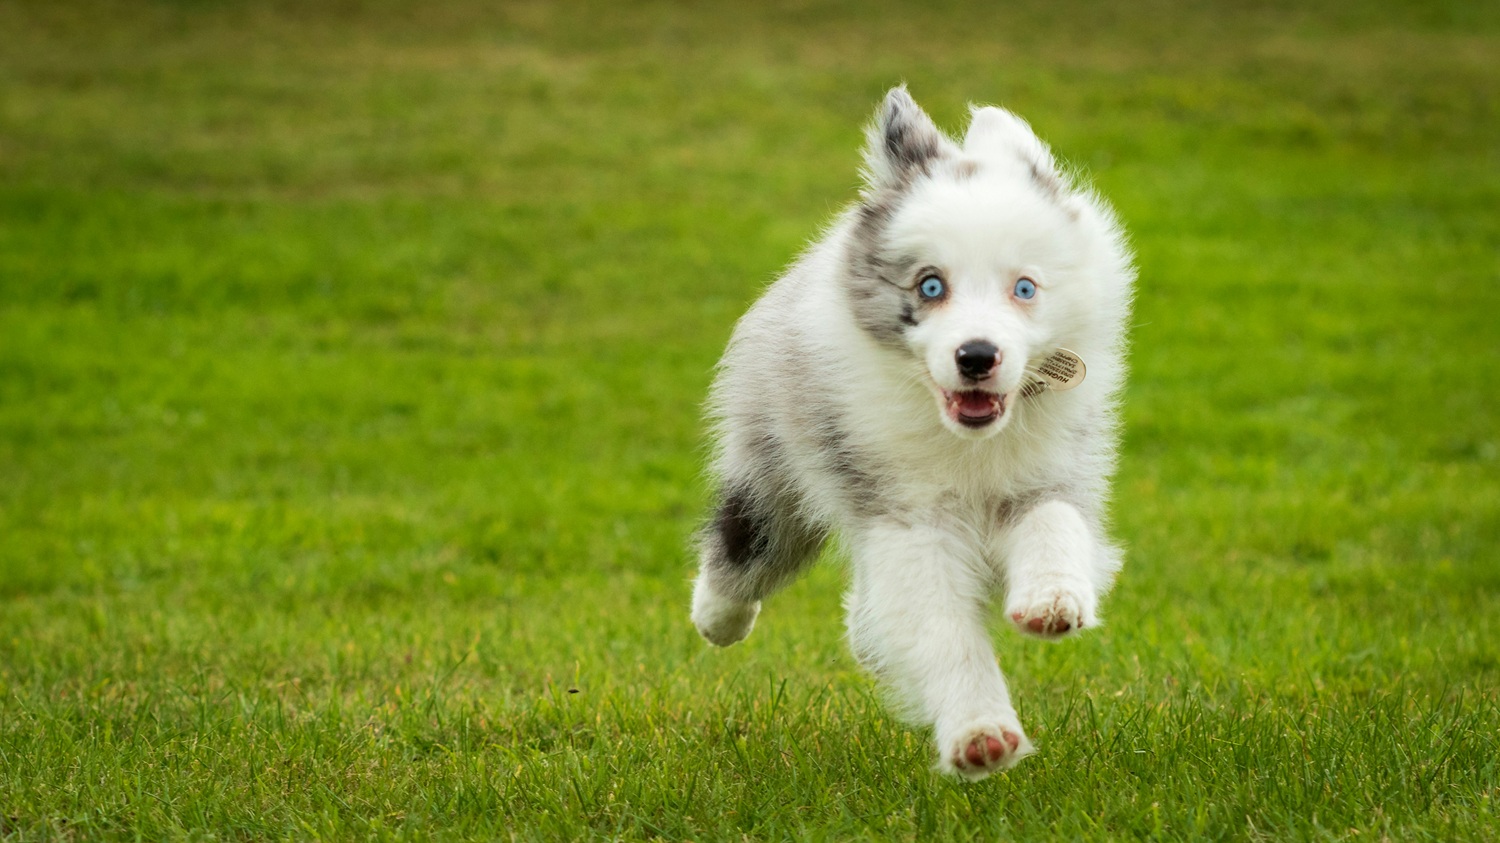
x=351, y=360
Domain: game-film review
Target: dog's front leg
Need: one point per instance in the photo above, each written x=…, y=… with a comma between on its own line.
x=1055, y=570
x=916, y=618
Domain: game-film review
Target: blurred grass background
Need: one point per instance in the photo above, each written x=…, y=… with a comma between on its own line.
x=351, y=357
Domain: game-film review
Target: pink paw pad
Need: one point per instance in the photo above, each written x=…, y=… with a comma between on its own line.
x=1041, y=626
x=987, y=751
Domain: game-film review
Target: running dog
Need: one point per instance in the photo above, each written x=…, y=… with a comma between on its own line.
x=935, y=382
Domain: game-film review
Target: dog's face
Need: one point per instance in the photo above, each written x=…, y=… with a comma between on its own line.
x=966, y=258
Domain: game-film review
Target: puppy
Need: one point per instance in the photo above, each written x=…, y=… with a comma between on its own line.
x=934, y=381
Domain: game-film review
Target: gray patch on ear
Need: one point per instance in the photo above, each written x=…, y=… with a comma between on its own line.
x=908, y=146
x=902, y=143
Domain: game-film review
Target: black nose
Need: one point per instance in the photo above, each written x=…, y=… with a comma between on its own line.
x=976, y=358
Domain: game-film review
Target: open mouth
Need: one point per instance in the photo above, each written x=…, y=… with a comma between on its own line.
x=974, y=407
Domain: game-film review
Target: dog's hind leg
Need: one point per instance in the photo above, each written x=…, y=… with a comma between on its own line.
x=754, y=546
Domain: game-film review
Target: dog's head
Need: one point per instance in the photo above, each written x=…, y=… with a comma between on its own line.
x=976, y=260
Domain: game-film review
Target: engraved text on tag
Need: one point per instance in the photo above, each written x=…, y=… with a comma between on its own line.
x=1060, y=372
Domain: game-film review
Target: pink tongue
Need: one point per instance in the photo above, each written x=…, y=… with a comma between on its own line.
x=975, y=404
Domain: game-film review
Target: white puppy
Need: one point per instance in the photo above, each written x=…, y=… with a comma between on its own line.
x=916, y=384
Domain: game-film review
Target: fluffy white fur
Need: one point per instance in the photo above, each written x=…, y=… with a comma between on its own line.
x=834, y=413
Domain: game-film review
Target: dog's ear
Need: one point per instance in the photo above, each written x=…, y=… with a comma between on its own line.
x=998, y=135
x=901, y=142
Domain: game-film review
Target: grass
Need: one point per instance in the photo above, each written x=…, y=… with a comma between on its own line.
x=350, y=365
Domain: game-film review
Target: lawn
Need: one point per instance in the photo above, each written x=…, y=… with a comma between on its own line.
x=351, y=364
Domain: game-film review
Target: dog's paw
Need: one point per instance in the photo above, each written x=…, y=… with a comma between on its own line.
x=1052, y=611
x=983, y=748
x=722, y=621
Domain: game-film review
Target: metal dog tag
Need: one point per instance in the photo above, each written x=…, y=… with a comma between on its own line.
x=1060, y=372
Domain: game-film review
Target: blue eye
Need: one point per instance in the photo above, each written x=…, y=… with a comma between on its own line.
x=1025, y=288
x=932, y=287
